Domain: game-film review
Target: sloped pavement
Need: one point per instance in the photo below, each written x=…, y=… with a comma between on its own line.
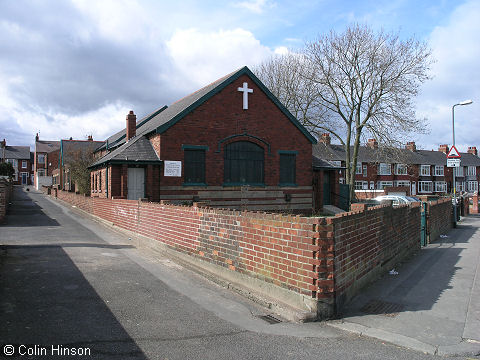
x=431, y=303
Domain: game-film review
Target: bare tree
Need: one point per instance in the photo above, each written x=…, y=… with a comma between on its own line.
x=78, y=170
x=356, y=84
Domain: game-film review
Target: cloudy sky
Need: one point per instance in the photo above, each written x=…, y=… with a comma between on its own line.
x=70, y=68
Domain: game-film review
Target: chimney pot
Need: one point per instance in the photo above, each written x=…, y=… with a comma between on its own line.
x=372, y=143
x=473, y=150
x=326, y=138
x=411, y=146
x=90, y=138
x=131, y=125
x=443, y=148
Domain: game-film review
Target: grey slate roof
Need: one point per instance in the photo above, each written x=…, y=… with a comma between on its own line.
x=324, y=164
x=468, y=159
x=137, y=149
x=44, y=146
x=16, y=152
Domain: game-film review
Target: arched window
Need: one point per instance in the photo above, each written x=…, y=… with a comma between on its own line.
x=244, y=163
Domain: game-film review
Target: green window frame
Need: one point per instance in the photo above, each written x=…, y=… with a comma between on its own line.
x=288, y=165
x=244, y=164
x=194, y=165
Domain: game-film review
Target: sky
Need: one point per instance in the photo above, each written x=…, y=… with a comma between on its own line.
x=73, y=68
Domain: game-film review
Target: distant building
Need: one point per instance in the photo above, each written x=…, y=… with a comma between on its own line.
x=19, y=157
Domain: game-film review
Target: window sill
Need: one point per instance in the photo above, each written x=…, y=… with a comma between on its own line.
x=194, y=184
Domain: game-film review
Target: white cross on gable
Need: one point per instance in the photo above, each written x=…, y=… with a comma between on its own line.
x=245, y=91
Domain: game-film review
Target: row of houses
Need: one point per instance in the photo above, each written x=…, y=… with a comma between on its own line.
x=233, y=144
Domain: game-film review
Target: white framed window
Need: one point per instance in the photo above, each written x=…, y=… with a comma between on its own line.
x=402, y=183
x=460, y=185
x=336, y=163
x=372, y=185
x=384, y=169
x=472, y=186
x=439, y=170
x=358, y=170
x=425, y=186
x=459, y=171
x=400, y=169
x=440, y=186
x=425, y=170
x=41, y=172
x=471, y=171
x=384, y=184
x=14, y=162
x=41, y=158
x=361, y=185
x=24, y=164
x=364, y=170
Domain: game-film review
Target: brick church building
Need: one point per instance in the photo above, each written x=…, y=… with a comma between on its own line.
x=231, y=144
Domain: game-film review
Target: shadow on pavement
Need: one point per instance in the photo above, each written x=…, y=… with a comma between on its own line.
x=45, y=300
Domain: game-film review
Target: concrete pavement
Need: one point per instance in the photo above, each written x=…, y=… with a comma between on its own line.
x=433, y=303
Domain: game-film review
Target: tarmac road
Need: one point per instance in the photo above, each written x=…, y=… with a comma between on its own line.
x=69, y=285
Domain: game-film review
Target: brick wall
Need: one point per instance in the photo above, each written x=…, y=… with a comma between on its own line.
x=358, y=247
x=325, y=260
x=6, y=189
x=439, y=218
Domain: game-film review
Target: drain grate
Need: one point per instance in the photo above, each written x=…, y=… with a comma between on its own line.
x=379, y=307
x=270, y=319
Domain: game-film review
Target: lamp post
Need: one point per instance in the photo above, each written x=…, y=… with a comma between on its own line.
x=466, y=102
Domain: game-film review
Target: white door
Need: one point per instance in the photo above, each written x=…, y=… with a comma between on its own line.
x=136, y=183
x=414, y=190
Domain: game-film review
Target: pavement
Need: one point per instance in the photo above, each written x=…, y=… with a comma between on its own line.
x=430, y=303
x=66, y=280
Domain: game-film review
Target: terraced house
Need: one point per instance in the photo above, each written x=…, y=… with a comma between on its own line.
x=422, y=172
x=20, y=158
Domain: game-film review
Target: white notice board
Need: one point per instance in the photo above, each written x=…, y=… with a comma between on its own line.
x=172, y=168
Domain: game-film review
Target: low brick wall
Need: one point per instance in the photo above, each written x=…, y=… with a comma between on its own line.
x=367, y=243
x=439, y=218
x=325, y=261
x=6, y=189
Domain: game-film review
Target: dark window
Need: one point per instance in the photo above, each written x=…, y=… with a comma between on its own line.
x=287, y=168
x=194, y=164
x=244, y=163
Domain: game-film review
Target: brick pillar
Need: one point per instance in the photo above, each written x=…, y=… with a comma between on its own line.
x=475, y=204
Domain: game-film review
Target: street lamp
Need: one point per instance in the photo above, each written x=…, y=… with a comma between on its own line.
x=466, y=102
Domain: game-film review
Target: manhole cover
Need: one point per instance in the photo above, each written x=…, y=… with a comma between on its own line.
x=270, y=319
x=379, y=307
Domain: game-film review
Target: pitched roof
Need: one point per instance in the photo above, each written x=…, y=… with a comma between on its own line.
x=44, y=146
x=163, y=118
x=16, y=152
x=137, y=150
x=468, y=159
x=119, y=138
x=182, y=107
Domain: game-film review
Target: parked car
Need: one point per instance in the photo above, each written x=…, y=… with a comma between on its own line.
x=397, y=199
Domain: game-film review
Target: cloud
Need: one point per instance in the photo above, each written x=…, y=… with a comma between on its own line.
x=255, y=6
x=456, y=78
x=203, y=57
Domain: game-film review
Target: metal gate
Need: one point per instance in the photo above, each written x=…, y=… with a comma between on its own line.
x=423, y=225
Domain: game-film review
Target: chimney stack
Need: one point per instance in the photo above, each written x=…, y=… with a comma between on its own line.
x=443, y=148
x=473, y=150
x=411, y=146
x=131, y=125
x=372, y=143
x=37, y=138
x=325, y=138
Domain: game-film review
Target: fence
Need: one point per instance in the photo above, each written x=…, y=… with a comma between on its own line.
x=6, y=188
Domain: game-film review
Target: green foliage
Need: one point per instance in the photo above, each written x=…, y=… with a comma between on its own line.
x=79, y=172
x=6, y=169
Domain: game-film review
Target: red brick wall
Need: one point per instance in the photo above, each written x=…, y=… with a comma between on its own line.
x=6, y=190
x=327, y=259
x=439, y=218
x=362, y=245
